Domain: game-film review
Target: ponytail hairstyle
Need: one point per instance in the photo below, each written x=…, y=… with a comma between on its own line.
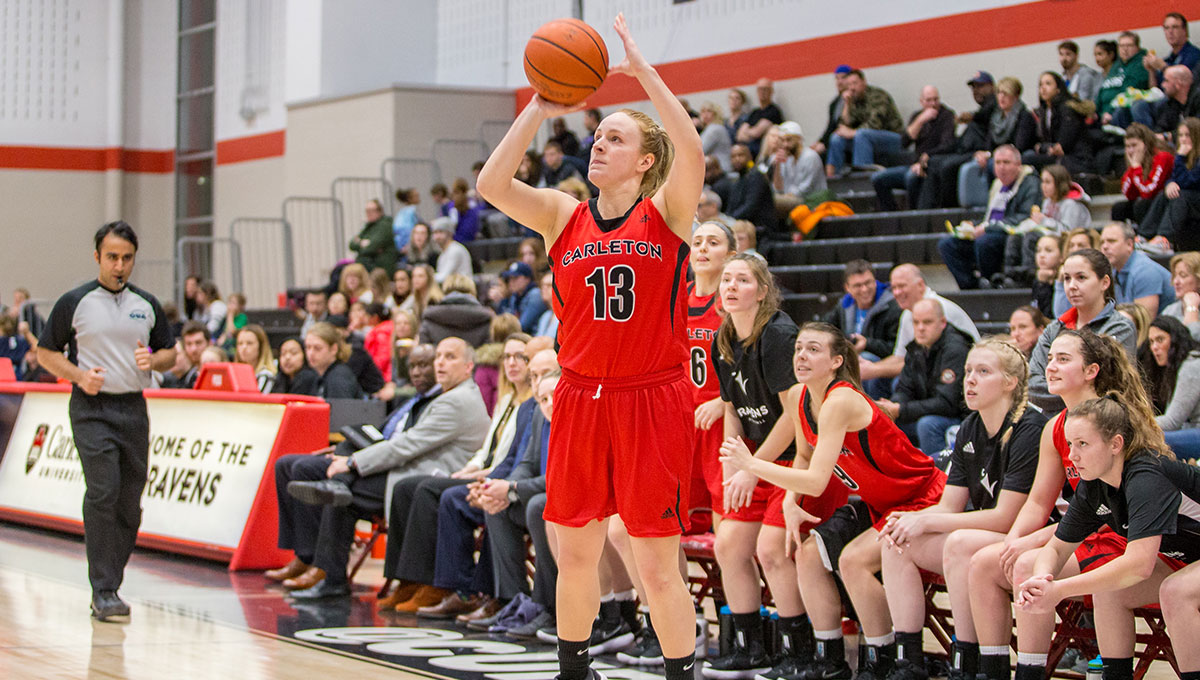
x=839, y=346
x=727, y=334
x=1014, y=365
x=1111, y=417
x=1100, y=266
x=655, y=142
x=1117, y=375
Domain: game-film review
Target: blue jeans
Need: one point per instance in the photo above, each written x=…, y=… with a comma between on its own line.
x=1122, y=117
x=865, y=146
x=1145, y=112
x=877, y=388
x=929, y=432
x=898, y=177
x=1185, y=443
x=963, y=257
x=973, y=183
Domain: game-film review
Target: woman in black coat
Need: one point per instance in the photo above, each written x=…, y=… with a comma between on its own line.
x=1062, y=128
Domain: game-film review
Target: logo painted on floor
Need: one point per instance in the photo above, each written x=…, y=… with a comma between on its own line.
x=441, y=651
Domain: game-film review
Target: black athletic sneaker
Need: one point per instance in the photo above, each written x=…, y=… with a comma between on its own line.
x=908, y=670
x=878, y=669
x=826, y=669
x=609, y=636
x=646, y=651
x=741, y=664
x=788, y=668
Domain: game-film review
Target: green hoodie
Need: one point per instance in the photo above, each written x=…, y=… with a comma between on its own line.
x=1122, y=75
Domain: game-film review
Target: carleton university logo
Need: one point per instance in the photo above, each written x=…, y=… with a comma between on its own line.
x=35, y=449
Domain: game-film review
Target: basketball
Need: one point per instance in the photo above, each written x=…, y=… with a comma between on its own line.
x=565, y=61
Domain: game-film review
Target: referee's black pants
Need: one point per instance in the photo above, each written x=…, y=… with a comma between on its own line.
x=112, y=435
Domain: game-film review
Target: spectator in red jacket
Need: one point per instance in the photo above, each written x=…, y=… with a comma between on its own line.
x=1148, y=170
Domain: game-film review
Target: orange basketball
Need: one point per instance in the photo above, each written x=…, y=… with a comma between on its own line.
x=565, y=61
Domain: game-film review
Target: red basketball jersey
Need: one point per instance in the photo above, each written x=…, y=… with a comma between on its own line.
x=878, y=463
x=1064, y=449
x=620, y=293
x=704, y=319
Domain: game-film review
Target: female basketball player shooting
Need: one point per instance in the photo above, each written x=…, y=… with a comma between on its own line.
x=622, y=439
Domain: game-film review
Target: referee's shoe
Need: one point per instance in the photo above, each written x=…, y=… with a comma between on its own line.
x=106, y=604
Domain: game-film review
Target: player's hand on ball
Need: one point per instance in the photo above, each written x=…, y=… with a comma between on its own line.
x=92, y=381
x=551, y=109
x=634, y=62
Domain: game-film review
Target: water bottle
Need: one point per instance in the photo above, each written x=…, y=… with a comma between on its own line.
x=1095, y=669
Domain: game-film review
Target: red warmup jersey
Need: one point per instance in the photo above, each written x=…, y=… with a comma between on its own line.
x=620, y=293
x=703, y=321
x=1064, y=449
x=878, y=463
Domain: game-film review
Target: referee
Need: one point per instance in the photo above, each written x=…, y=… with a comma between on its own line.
x=113, y=334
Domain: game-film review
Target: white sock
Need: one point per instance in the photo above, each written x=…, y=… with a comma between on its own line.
x=999, y=650
x=881, y=640
x=610, y=595
x=624, y=595
x=1027, y=659
x=834, y=634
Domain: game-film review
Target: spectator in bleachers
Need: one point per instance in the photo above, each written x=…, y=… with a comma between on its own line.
x=1064, y=207
x=591, y=121
x=469, y=211
x=254, y=349
x=235, y=320
x=1183, y=52
x=190, y=285
x=908, y=287
x=869, y=127
x=487, y=368
x=1139, y=317
x=1176, y=212
x=747, y=237
x=1062, y=127
x=446, y=433
x=431, y=548
x=294, y=376
x=1048, y=259
x=379, y=287
x=1136, y=277
x=1170, y=360
x=941, y=175
x=1126, y=72
x=709, y=209
x=338, y=305
x=35, y=372
x=24, y=311
x=353, y=283
x=1025, y=325
x=717, y=179
x=13, y=346
x=1185, y=279
x=530, y=169
x=514, y=508
x=406, y=217
x=532, y=251
x=930, y=131
x=1009, y=122
x=1182, y=100
x=524, y=299
x=751, y=131
x=420, y=249
x=360, y=363
x=1090, y=287
x=1111, y=79
x=868, y=314
x=796, y=171
x=547, y=326
x=441, y=198
x=425, y=290
x=458, y=314
x=377, y=341
x=1014, y=193
x=554, y=169
x=211, y=310
x=714, y=136
x=750, y=196
x=404, y=337
x=213, y=355
x=193, y=339
x=401, y=288
x=1082, y=80
x=375, y=243
x=1148, y=169
x=327, y=351
x=567, y=142
x=738, y=112
x=454, y=257
x=928, y=399
x=574, y=187
x=772, y=142
x=821, y=146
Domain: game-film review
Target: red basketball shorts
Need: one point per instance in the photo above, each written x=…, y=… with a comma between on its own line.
x=706, y=468
x=622, y=446
x=929, y=495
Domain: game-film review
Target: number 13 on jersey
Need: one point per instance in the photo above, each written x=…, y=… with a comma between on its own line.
x=612, y=292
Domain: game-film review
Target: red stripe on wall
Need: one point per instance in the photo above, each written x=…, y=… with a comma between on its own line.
x=251, y=148
x=87, y=160
x=992, y=29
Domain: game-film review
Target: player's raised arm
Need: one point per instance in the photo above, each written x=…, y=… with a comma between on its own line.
x=677, y=198
x=544, y=210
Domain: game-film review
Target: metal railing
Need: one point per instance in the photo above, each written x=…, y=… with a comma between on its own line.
x=235, y=260
x=267, y=242
x=501, y=125
x=404, y=171
x=469, y=151
x=354, y=193
x=320, y=237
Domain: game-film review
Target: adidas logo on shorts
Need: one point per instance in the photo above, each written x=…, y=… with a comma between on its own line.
x=667, y=514
x=1103, y=510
